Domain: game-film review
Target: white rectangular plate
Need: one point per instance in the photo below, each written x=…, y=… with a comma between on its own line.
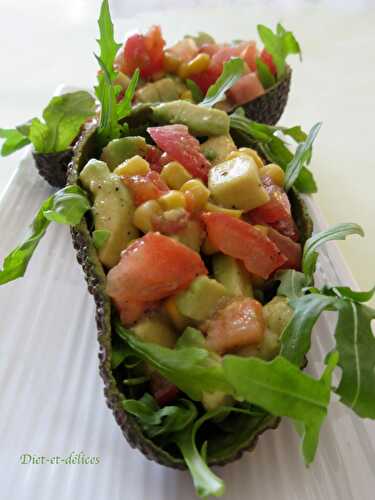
x=52, y=401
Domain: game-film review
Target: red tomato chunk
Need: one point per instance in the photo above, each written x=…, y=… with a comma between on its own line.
x=176, y=141
x=153, y=268
x=243, y=241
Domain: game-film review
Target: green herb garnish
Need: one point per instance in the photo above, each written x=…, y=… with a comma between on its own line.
x=62, y=120
x=232, y=72
x=279, y=45
x=67, y=206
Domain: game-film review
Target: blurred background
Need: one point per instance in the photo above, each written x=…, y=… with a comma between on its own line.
x=47, y=42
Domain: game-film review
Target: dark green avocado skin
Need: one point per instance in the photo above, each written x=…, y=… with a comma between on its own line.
x=95, y=277
x=53, y=167
x=269, y=107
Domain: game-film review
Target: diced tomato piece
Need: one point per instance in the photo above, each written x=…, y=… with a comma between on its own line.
x=131, y=310
x=243, y=241
x=167, y=225
x=144, y=52
x=176, y=141
x=246, y=89
x=152, y=268
x=276, y=212
x=206, y=78
x=225, y=53
x=267, y=59
x=249, y=55
x=287, y=247
x=238, y=324
x=153, y=155
x=185, y=50
x=146, y=187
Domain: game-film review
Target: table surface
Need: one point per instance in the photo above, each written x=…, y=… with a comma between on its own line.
x=48, y=42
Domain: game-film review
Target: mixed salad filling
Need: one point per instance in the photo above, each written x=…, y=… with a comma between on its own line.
x=187, y=69
x=191, y=244
x=191, y=219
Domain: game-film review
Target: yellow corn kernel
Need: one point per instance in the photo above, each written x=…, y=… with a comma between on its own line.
x=198, y=192
x=262, y=229
x=248, y=152
x=171, y=63
x=175, y=175
x=134, y=166
x=172, y=199
x=182, y=71
x=254, y=155
x=210, y=207
x=275, y=172
x=197, y=65
x=186, y=95
x=179, y=321
x=208, y=248
x=143, y=215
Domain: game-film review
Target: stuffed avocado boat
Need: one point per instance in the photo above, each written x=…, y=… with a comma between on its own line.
x=257, y=80
x=175, y=260
x=187, y=69
x=197, y=247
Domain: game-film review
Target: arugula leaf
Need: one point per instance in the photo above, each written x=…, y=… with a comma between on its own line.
x=345, y=291
x=355, y=343
x=161, y=421
x=14, y=141
x=15, y=264
x=232, y=72
x=124, y=107
x=302, y=156
x=196, y=92
x=310, y=431
x=191, y=369
x=107, y=43
x=263, y=138
x=109, y=127
x=292, y=283
x=63, y=118
x=105, y=91
x=338, y=232
x=67, y=206
x=40, y=136
x=279, y=387
x=296, y=338
x=265, y=76
x=205, y=481
x=279, y=45
x=100, y=237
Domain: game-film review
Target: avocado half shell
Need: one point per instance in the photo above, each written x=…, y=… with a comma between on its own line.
x=53, y=167
x=269, y=107
x=224, y=448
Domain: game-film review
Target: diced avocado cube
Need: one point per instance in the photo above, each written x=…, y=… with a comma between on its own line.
x=232, y=274
x=119, y=150
x=277, y=314
x=216, y=149
x=236, y=184
x=200, y=120
x=113, y=209
x=200, y=300
x=155, y=329
x=192, y=235
x=164, y=90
